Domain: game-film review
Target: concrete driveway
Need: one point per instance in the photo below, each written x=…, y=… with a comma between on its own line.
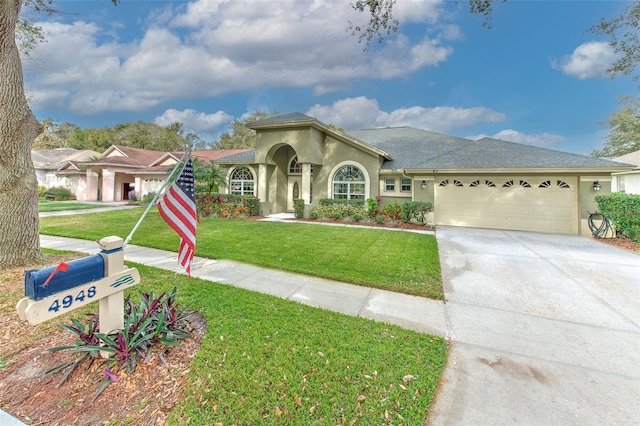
x=545, y=330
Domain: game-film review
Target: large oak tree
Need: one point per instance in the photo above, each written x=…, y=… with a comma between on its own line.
x=19, y=224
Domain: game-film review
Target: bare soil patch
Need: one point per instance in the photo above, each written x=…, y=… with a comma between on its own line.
x=144, y=397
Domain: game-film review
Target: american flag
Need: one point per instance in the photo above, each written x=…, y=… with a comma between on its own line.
x=177, y=206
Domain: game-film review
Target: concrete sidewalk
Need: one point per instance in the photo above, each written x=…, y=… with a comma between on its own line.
x=411, y=312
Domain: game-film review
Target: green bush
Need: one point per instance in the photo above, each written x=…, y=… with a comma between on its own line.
x=59, y=194
x=332, y=202
x=41, y=191
x=623, y=211
x=227, y=205
x=339, y=211
x=148, y=197
x=416, y=210
x=393, y=210
x=298, y=207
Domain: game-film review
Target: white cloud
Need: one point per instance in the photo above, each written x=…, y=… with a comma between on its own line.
x=589, y=60
x=540, y=139
x=207, y=48
x=362, y=112
x=192, y=120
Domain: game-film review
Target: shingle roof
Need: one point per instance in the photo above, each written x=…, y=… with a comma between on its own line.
x=243, y=157
x=284, y=118
x=55, y=158
x=420, y=149
x=631, y=158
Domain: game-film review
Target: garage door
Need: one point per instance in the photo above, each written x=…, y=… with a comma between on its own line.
x=543, y=204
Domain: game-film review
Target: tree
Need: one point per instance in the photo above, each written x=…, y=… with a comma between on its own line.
x=19, y=224
x=382, y=23
x=624, y=34
x=210, y=177
x=624, y=130
x=238, y=135
x=55, y=135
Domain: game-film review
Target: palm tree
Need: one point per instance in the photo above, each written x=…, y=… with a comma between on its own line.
x=208, y=176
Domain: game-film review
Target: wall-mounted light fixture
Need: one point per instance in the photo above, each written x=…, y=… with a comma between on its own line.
x=423, y=185
x=596, y=186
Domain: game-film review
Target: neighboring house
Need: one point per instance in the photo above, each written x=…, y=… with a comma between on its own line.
x=123, y=172
x=628, y=181
x=487, y=183
x=48, y=162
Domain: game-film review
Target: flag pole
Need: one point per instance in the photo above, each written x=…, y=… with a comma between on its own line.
x=158, y=194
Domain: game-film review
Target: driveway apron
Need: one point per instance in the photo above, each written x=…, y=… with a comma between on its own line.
x=545, y=329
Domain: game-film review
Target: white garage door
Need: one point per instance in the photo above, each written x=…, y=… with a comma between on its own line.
x=544, y=204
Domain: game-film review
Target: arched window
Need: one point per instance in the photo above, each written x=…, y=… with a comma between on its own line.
x=295, y=168
x=241, y=182
x=348, y=184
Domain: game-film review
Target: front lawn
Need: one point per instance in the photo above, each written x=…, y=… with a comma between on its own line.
x=265, y=360
x=55, y=206
x=396, y=261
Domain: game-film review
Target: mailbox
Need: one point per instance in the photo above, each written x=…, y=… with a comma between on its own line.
x=79, y=271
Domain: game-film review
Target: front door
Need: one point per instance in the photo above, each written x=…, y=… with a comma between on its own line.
x=293, y=192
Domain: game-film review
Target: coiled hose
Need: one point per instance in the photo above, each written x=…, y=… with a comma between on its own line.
x=601, y=230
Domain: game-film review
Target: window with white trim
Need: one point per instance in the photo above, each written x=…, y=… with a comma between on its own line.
x=620, y=183
x=242, y=181
x=405, y=185
x=348, y=184
x=389, y=184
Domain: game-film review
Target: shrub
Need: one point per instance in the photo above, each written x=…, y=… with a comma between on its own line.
x=416, y=210
x=148, y=197
x=154, y=321
x=623, y=211
x=41, y=191
x=380, y=218
x=338, y=211
x=298, y=207
x=332, y=202
x=59, y=194
x=227, y=205
x=393, y=210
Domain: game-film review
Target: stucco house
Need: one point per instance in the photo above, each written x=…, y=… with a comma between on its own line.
x=122, y=172
x=628, y=181
x=48, y=162
x=487, y=183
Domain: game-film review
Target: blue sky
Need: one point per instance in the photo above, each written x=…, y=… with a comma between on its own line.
x=536, y=77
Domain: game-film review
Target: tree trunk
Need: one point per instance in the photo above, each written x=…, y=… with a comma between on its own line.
x=19, y=223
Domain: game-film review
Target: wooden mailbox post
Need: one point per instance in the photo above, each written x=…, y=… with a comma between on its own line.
x=54, y=291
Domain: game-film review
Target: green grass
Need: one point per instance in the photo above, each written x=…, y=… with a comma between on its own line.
x=262, y=355
x=55, y=206
x=397, y=261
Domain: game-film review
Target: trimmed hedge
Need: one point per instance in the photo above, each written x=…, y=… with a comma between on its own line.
x=59, y=194
x=338, y=211
x=331, y=202
x=227, y=205
x=623, y=211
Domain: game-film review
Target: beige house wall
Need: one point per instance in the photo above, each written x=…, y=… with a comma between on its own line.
x=326, y=154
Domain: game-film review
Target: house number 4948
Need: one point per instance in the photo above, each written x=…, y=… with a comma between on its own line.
x=68, y=300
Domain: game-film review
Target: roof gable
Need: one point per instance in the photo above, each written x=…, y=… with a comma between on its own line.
x=630, y=158
x=56, y=158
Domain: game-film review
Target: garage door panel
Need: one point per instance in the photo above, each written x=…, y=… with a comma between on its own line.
x=547, y=204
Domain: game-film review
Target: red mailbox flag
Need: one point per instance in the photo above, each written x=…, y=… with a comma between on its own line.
x=61, y=267
x=177, y=206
